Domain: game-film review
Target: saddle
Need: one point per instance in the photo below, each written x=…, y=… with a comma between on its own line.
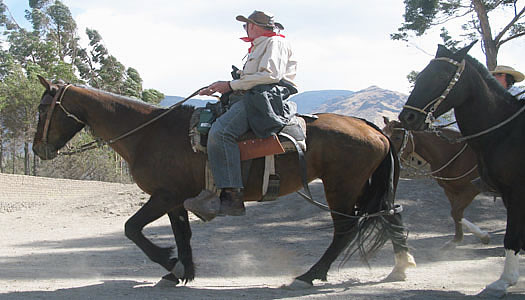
x=291, y=138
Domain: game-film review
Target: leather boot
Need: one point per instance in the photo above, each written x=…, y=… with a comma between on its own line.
x=232, y=202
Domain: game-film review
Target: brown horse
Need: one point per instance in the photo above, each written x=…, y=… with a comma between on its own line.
x=354, y=160
x=492, y=121
x=453, y=166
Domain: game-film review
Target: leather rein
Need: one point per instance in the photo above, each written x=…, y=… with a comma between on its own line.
x=57, y=100
x=407, y=135
x=434, y=104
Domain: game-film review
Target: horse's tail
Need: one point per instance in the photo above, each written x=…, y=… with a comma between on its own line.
x=380, y=220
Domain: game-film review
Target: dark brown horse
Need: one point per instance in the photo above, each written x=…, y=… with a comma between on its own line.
x=354, y=160
x=452, y=165
x=492, y=122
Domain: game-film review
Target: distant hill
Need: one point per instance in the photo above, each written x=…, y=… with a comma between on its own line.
x=310, y=101
x=371, y=103
x=197, y=102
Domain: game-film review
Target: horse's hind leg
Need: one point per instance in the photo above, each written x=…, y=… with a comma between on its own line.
x=459, y=202
x=342, y=236
x=402, y=258
x=343, y=233
x=158, y=205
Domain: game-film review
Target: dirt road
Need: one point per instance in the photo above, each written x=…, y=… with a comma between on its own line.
x=64, y=239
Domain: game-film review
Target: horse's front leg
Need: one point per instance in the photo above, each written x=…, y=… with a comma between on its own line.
x=184, y=268
x=513, y=242
x=159, y=204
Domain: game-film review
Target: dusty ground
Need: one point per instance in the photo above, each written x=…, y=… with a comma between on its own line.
x=63, y=239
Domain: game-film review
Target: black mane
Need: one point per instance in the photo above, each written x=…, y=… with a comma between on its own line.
x=491, y=81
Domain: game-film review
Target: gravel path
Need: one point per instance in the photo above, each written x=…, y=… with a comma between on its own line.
x=64, y=239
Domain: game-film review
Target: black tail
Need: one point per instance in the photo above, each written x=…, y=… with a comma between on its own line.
x=374, y=229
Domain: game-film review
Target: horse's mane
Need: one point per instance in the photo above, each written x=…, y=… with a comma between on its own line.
x=491, y=81
x=131, y=102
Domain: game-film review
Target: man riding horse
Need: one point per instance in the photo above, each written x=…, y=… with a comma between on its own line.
x=256, y=101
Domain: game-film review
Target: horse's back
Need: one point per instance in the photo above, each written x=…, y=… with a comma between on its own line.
x=345, y=131
x=337, y=142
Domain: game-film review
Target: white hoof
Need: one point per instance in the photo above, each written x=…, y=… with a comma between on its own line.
x=485, y=239
x=297, y=285
x=395, y=276
x=490, y=292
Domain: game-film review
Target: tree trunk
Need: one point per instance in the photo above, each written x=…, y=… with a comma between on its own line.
x=1, y=154
x=491, y=50
x=13, y=158
x=26, y=158
x=35, y=161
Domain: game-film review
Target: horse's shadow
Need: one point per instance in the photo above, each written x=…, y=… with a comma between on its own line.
x=129, y=289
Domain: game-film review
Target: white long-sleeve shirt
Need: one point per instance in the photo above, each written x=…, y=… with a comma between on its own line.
x=269, y=61
x=514, y=91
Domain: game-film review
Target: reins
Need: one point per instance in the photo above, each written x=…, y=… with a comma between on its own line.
x=407, y=134
x=429, y=119
x=434, y=104
x=99, y=142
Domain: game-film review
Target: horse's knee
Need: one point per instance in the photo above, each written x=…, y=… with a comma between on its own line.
x=132, y=230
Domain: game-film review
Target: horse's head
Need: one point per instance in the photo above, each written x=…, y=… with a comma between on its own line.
x=437, y=89
x=400, y=137
x=55, y=127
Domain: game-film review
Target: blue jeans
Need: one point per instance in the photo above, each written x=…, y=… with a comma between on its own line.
x=223, y=152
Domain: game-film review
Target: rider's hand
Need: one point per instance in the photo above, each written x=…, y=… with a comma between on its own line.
x=221, y=87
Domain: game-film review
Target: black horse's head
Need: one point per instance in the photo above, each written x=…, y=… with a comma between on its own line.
x=54, y=127
x=437, y=88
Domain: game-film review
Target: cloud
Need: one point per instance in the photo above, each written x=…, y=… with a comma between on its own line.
x=180, y=46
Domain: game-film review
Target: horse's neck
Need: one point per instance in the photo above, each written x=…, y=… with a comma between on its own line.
x=433, y=149
x=484, y=106
x=109, y=117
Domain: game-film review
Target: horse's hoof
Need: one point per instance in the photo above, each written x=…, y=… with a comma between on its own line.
x=178, y=270
x=168, y=281
x=492, y=293
x=485, y=239
x=395, y=276
x=297, y=285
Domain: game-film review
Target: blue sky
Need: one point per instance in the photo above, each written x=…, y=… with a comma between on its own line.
x=179, y=46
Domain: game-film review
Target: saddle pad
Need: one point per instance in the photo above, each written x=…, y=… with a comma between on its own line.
x=255, y=148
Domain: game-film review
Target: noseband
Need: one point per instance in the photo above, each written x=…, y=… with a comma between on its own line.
x=407, y=135
x=434, y=104
x=57, y=100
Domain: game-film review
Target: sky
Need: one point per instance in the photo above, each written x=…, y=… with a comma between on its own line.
x=179, y=46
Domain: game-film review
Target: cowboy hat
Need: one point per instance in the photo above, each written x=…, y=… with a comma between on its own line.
x=518, y=76
x=262, y=19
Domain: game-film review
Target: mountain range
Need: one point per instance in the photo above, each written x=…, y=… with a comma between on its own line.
x=371, y=103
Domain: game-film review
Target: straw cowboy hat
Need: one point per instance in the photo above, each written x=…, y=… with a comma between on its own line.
x=262, y=19
x=518, y=76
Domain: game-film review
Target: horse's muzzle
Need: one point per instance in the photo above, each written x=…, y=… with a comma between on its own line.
x=412, y=120
x=45, y=151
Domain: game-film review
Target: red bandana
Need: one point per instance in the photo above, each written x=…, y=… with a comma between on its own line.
x=250, y=40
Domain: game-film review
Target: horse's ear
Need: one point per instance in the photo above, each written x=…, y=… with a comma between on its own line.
x=386, y=120
x=44, y=82
x=442, y=51
x=463, y=52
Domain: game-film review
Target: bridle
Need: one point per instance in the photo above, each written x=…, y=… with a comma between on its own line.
x=407, y=135
x=434, y=104
x=57, y=100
